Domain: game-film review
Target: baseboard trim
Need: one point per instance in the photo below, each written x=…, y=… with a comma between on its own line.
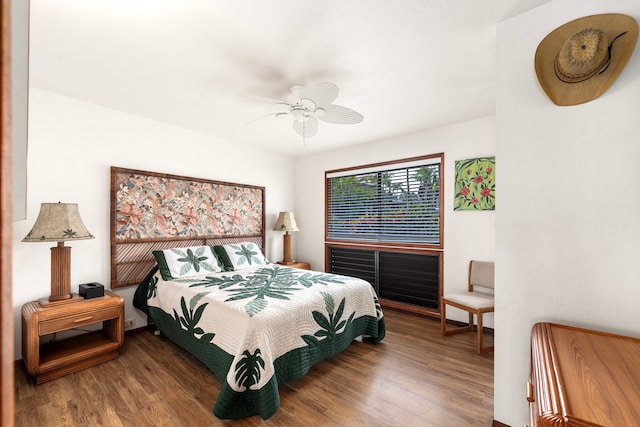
x=409, y=308
x=136, y=330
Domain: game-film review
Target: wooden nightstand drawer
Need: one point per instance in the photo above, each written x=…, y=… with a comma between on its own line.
x=70, y=322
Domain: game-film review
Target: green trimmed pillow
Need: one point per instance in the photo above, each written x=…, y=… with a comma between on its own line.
x=189, y=261
x=241, y=255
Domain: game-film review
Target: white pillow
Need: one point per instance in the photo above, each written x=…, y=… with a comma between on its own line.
x=240, y=255
x=188, y=261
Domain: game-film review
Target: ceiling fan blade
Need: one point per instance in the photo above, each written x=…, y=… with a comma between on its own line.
x=322, y=94
x=340, y=115
x=268, y=100
x=306, y=128
x=265, y=115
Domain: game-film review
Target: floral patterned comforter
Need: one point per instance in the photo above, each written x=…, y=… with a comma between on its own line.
x=261, y=326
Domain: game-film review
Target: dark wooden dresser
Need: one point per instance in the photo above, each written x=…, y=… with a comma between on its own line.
x=581, y=377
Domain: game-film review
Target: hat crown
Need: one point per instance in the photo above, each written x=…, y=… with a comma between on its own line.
x=584, y=54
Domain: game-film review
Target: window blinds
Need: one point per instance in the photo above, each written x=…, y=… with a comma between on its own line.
x=397, y=203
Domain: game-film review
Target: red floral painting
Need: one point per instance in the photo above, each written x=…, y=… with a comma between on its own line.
x=475, y=187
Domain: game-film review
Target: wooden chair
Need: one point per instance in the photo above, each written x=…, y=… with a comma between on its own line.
x=475, y=301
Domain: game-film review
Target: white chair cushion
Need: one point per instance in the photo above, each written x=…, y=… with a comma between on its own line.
x=475, y=300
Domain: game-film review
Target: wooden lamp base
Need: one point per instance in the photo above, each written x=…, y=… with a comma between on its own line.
x=60, y=277
x=286, y=250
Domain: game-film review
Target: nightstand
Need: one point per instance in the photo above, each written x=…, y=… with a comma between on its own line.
x=50, y=360
x=296, y=264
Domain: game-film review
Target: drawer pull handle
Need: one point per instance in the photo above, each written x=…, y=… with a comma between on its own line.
x=82, y=319
x=530, y=396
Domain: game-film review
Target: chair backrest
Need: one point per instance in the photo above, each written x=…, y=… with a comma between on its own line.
x=481, y=274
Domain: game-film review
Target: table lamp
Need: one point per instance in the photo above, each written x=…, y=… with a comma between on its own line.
x=59, y=222
x=286, y=222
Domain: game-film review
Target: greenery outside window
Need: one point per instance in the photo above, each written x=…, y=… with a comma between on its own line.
x=393, y=202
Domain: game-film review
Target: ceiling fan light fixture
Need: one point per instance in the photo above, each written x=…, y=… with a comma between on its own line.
x=320, y=112
x=298, y=114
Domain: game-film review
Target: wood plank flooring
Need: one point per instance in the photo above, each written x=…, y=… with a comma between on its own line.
x=414, y=377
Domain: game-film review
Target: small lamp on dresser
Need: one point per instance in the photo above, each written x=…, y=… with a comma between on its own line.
x=286, y=222
x=59, y=222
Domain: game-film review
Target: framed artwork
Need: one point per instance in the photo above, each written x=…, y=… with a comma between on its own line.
x=475, y=187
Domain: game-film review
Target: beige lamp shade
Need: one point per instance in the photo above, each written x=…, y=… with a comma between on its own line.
x=286, y=222
x=58, y=222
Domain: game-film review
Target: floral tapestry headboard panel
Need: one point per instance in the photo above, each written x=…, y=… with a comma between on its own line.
x=152, y=211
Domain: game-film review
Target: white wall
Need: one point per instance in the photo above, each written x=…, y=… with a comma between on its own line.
x=19, y=98
x=567, y=228
x=467, y=234
x=72, y=145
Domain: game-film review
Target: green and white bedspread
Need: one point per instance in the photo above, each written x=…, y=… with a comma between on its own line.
x=261, y=326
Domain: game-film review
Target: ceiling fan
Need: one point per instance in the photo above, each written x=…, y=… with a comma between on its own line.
x=308, y=104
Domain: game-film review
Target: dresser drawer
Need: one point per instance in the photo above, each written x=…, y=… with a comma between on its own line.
x=583, y=377
x=77, y=320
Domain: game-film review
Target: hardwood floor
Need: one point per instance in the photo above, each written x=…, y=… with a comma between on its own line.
x=414, y=377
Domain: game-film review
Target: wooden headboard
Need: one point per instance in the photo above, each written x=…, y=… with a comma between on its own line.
x=153, y=211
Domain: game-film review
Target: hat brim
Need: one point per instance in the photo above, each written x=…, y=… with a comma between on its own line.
x=563, y=93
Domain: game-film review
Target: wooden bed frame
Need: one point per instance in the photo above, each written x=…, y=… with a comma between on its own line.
x=154, y=211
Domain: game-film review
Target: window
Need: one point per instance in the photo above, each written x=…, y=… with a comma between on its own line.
x=395, y=202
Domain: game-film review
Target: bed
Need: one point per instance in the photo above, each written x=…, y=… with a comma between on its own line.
x=253, y=323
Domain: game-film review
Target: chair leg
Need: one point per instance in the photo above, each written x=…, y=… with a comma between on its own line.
x=453, y=330
x=480, y=330
x=443, y=318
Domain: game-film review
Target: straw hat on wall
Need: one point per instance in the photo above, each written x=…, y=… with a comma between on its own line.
x=578, y=61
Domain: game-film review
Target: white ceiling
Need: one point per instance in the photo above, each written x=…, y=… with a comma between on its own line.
x=406, y=65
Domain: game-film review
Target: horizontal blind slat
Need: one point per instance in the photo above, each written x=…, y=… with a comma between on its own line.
x=400, y=204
